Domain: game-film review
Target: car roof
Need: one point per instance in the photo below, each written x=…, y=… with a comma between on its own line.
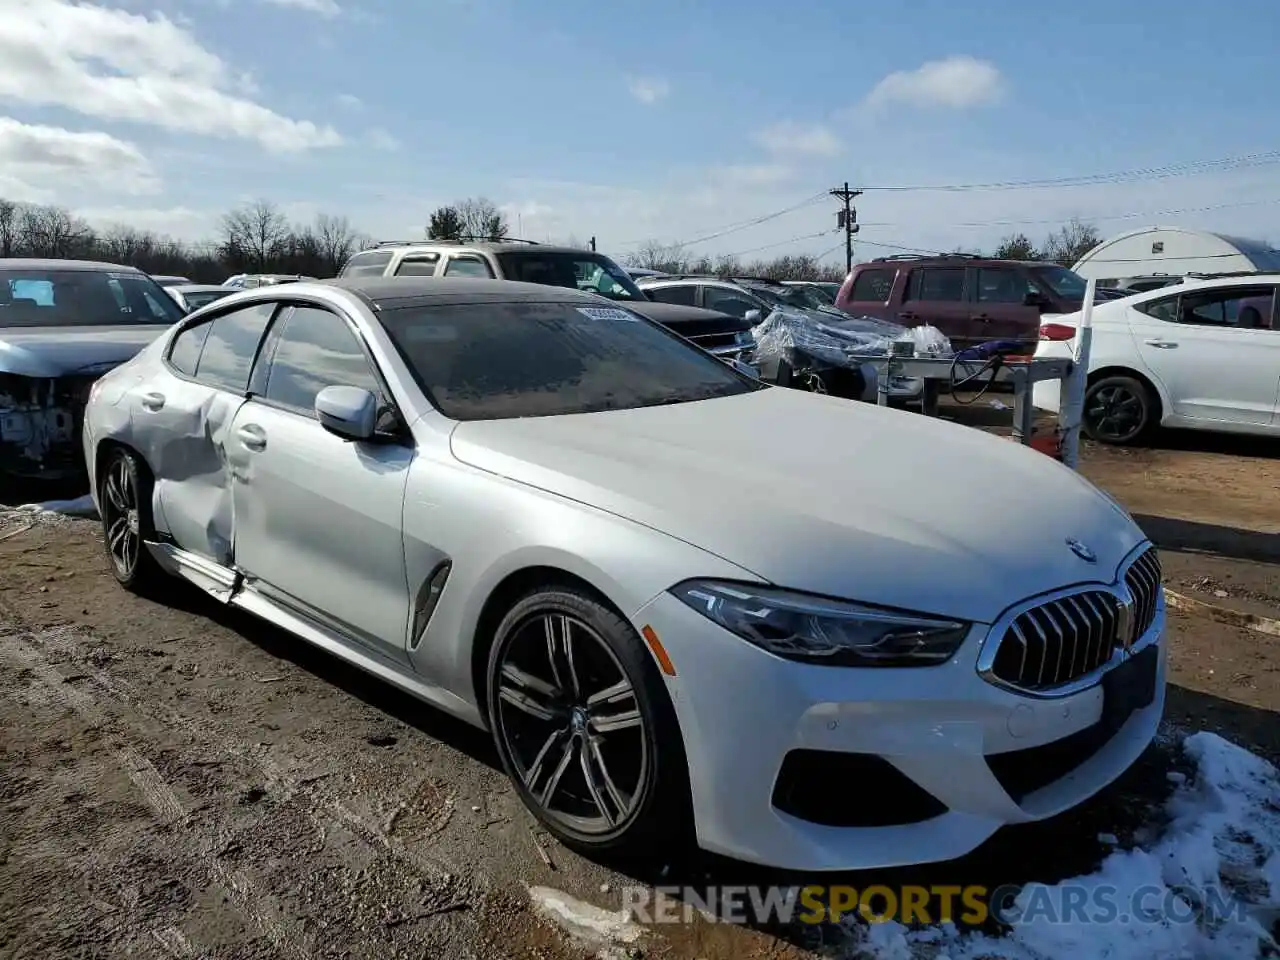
x=89, y=266
x=494, y=246
x=400, y=291
x=198, y=287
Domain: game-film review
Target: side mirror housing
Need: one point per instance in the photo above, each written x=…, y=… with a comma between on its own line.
x=753, y=317
x=347, y=412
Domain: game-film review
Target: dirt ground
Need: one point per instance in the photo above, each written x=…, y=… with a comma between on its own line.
x=179, y=780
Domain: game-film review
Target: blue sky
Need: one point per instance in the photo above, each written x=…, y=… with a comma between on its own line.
x=662, y=122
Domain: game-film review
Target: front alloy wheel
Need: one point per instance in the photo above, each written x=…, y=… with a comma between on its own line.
x=577, y=720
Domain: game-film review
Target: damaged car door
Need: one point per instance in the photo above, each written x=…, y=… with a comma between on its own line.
x=317, y=516
x=181, y=421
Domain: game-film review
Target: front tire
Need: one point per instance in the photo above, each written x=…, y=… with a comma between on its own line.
x=583, y=723
x=1118, y=410
x=124, y=498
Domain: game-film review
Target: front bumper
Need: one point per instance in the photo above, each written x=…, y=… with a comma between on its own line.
x=40, y=425
x=750, y=720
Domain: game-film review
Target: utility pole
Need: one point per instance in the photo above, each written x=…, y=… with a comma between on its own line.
x=848, y=219
x=593, y=244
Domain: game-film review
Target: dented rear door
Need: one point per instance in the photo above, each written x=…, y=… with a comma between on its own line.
x=181, y=418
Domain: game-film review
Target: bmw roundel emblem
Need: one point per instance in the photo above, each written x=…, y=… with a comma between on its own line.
x=1081, y=550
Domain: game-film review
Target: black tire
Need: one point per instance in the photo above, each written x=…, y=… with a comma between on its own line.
x=124, y=499
x=1118, y=410
x=644, y=787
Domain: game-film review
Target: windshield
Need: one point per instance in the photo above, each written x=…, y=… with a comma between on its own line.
x=594, y=273
x=1065, y=283
x=82, y=298
x=496, y=361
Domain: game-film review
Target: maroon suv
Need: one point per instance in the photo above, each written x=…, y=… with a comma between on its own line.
x=971, y=299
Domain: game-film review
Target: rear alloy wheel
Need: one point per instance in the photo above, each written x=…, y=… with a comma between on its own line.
x=582, y=723
x=1117, y=410
x=124, y=500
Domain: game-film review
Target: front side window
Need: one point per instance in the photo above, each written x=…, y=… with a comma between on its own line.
x=473, y=360
x=593, y=273
x=733, y=302
x=1067, y=284
x=369, y=264
x=316, y=349
x=938, y=284
x=83, y=298
x=231, y=345
x=468, y=267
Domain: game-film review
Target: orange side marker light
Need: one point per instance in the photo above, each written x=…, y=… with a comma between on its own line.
x=659, y=651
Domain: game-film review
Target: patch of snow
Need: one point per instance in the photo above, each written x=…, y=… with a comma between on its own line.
x=593, y=927
x=1222, y=842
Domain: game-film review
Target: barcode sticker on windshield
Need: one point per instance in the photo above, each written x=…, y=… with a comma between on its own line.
x=607, y=313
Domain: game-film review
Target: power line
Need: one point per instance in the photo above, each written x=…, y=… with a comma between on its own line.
x=780, y=243
x=1188, y=168
x=724, y=231
x=1092, y=218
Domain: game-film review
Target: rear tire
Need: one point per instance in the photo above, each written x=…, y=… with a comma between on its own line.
x=1118, y=410
x=584, y=726
x=124, y=499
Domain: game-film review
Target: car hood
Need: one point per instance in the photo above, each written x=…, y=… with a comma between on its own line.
x=58, y=351
x=688, y=320
x=821, y=494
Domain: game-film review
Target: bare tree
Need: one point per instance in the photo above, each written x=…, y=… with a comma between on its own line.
x=253, y=234
x=53, y=232
x=481, y=218
x=656, y=255
x=1016, y=247
x=336, y=240
x=9, y=235
x=1071, y=242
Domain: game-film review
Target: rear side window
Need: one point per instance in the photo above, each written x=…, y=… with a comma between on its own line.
x=316, y=349
x=872, y=286
x=231, y=345
x=418, y=265
x=937, y=284
x=184, y=353
x=683, y=295
x=369, y=264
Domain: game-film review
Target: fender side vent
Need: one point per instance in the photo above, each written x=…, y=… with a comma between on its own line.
x=428, y=600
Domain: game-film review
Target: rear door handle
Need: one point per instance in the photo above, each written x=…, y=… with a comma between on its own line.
x=252, y=436
x=153, y=401
x=1162, y=344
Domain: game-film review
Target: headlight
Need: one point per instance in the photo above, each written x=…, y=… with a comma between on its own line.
x=811, y=629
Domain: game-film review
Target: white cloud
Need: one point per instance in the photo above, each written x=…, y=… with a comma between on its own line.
x=323, y=8
x=115, y=65
x=793, y=138
x=182, y=223
x=754, y=174
x=37, y=162
x=957, y=82
x=350, y=101
x=648, y=90
x=380, y=139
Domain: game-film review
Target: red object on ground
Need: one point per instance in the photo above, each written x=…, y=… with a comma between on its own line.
x=1049, y=444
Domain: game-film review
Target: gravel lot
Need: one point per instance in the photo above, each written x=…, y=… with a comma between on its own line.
x=180, y=780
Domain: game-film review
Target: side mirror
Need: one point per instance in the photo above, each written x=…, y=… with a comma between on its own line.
x=347, y=412
x=1034, y=298
x=752, y=317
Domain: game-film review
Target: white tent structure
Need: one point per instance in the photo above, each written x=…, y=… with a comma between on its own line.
x=1174, y=251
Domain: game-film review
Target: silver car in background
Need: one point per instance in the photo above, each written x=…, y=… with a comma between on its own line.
x=554, y=518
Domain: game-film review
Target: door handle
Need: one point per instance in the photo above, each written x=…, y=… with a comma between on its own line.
x=252, y=436
x=153, y=401
x=982, y=318
x=1162, y=344
x=908, y=316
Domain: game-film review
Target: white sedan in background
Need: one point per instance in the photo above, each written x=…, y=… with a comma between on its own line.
x=1203, y=354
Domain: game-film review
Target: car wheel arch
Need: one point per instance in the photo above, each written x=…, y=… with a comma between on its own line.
x=1157, y=395
x=504, y=595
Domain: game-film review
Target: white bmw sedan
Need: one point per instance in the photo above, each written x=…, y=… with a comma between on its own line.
x=819, y=634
